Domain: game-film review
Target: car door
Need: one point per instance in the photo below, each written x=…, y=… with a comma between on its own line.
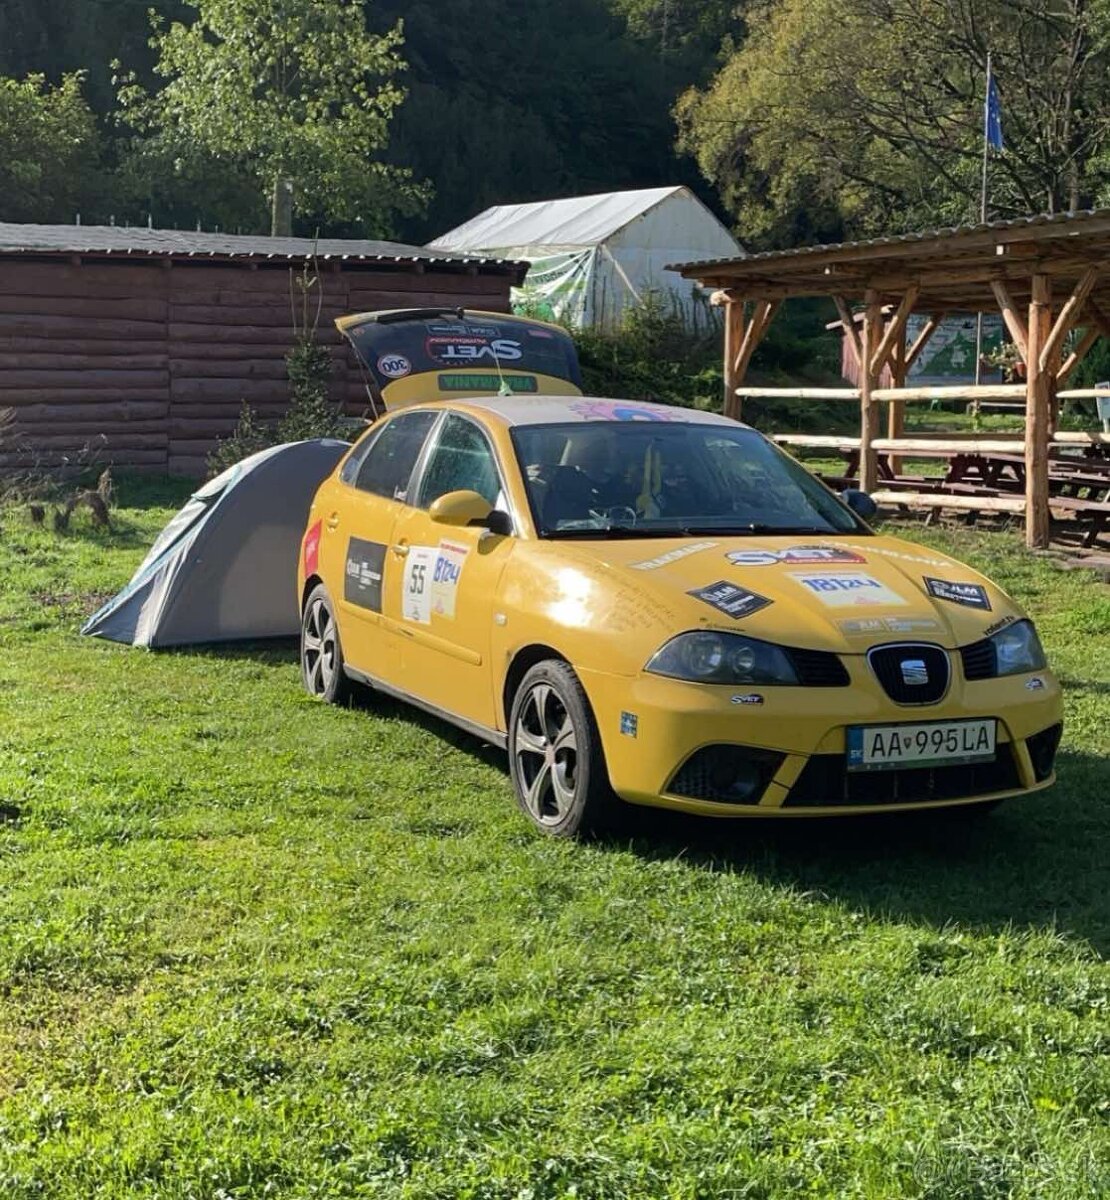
x=444, y=600
x=358, y=519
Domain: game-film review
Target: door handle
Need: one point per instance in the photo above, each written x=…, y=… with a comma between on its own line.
x=401, y=549
x=333, y=521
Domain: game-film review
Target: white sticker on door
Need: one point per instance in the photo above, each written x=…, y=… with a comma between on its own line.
x=416, y=584
x=849, y=590
x=450, y=558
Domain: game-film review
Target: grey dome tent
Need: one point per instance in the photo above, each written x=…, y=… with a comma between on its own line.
x=225, y=567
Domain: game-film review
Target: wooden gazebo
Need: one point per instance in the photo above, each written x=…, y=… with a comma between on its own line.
x=1047, y=275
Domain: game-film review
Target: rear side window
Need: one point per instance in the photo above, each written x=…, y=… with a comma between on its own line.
x=462, y=460
x=387, y=465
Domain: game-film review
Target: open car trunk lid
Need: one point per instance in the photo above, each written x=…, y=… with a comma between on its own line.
x=413, y=355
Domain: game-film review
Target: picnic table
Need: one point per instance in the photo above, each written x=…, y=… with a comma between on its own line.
x=983, y=473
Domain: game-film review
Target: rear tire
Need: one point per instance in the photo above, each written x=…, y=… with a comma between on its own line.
x=321, y=653
x=555, y=755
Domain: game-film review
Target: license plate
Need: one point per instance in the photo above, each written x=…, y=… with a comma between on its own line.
x=884, y=747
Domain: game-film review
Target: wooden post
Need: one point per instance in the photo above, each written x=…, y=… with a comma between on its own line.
x=896, y=416
x=868, y=381
x=1040, y=387
x=734, y=332
x=743, y=347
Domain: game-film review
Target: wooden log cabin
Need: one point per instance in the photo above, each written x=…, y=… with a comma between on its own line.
x=146, y=342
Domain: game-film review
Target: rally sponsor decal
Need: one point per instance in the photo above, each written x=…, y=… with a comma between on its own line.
x=630, y=724
x=733, y=601
x=362, y=577
x=312, y=549
x=1036, y=684
x=970, y=595
x=622, y=410
x=849, y=590
x=394, y=366
x=671, y=556
x=872, y=626
x=998, y=626
x=430, y=581
x=886, y=552
x=416, y=584
x=457, y=349
x=446, y=573
x=792, y=555
x=748, y=698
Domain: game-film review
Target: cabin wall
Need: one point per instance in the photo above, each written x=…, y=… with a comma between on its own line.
x=149, y=363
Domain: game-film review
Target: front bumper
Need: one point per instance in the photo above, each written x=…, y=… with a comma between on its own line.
x=653, y=730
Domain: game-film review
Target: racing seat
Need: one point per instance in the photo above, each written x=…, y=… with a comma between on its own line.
x=569, y=496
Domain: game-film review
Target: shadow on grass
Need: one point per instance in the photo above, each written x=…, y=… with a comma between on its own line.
x=1036, y=862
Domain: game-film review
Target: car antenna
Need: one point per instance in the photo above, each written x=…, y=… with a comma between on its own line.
x=504, y=389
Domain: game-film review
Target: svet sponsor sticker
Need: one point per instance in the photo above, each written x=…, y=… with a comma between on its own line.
x=793, y=554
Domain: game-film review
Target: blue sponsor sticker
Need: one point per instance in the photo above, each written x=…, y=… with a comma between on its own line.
x=629, y=724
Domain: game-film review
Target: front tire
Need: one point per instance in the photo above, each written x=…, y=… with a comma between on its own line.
x=321, y=653
x=555, y=754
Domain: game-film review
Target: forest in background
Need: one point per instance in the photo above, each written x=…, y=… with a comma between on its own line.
x=795, y=120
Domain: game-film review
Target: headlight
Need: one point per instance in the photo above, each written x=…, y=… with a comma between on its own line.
x=706, y=657
x=1017, y=649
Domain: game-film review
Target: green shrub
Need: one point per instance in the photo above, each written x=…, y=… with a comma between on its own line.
x=653, y=357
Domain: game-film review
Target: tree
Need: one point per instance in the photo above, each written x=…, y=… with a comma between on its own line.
x=552, y=99
x=865, y=118
x=296, y=92
x=49, y=149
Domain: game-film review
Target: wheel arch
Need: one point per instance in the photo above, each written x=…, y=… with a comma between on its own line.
x=311, y=582
x=522, y=662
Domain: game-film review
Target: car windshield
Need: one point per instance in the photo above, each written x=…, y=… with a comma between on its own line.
x=658, y=479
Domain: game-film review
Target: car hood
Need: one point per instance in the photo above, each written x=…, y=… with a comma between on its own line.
x=844, y=594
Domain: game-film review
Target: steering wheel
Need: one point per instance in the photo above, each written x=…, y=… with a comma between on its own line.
x=622, y=515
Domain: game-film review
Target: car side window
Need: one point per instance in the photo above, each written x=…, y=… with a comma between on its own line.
x=388, y=463
x=461, y=460
x=350, y=470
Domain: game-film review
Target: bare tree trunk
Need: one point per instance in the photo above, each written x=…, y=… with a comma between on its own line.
x=281, y=210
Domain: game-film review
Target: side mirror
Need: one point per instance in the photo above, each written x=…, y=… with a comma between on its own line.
x=859, y=502
x=460, y=508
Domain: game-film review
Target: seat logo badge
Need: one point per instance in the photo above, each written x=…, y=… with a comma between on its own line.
x=914, y=672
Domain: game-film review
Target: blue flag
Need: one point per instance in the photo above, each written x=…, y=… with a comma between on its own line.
x=992, y=117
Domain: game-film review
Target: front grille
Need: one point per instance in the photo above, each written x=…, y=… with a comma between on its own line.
x=727, y=774
x=1042, y=750
x=891, y=663
x=818, y=668
x=979, y=660
x=825, y=781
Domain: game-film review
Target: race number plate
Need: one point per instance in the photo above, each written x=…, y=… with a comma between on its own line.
x=937, y=743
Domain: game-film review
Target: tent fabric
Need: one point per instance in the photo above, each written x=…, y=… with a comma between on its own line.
x=593, y=257
x=568, y=224
x=225, y=566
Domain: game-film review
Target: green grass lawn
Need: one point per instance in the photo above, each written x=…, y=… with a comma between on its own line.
x=251, y=946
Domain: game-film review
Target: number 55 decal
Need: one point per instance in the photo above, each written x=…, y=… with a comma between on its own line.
x=416, y=592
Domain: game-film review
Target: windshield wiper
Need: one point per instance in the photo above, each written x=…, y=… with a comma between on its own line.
x=614, y=532
x=754, y=527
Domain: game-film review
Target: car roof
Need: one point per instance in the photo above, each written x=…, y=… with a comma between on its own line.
x=559, y=410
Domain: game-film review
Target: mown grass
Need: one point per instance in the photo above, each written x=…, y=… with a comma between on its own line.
x=251, y=946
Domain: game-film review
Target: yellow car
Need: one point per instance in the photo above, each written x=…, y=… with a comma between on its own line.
x=656, y=605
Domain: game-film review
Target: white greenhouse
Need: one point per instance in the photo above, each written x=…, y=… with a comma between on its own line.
x=595, y=256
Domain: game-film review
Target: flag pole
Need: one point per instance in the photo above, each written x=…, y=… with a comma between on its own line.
x=983, y=221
